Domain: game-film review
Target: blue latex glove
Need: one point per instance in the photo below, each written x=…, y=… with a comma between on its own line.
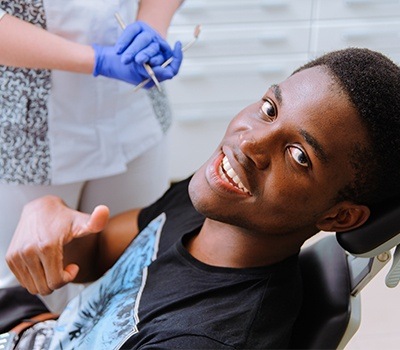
x=139, y=43
x=168, y=72
x=108, y=63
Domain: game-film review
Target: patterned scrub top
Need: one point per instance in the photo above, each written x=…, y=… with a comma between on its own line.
x=58, y=127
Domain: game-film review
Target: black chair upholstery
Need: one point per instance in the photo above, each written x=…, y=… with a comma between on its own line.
x=326, y=307
x=16, y=304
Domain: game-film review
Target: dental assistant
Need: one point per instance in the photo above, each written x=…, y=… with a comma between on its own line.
x=66, y=128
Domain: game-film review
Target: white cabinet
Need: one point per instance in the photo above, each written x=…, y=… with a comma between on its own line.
x=245, y=46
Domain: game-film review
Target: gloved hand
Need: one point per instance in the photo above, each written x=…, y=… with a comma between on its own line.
x=168, y=72
x=108, y=63
x=139, y=43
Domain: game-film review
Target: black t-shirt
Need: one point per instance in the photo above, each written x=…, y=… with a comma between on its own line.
x=186, y=304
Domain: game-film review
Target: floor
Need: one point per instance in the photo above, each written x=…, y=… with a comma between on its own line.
x=380, y=312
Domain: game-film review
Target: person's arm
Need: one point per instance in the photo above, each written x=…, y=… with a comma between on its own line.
x=23, y=44
x=158, y=13
x=54, y=245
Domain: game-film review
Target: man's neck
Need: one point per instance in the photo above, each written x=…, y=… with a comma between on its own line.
x=223, y=245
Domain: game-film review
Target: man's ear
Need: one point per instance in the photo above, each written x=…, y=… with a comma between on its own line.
x=343, y=216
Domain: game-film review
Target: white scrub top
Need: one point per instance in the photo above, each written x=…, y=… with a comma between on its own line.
x=58, y=127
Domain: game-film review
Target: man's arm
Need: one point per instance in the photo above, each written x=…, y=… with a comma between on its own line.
x=54, y=245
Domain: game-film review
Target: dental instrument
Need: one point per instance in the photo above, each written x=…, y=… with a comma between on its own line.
x=149, y=70
x=196, y=34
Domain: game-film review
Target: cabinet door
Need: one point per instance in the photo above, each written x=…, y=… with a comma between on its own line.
x=239, y=11
x=245, y=39
x=382, y=36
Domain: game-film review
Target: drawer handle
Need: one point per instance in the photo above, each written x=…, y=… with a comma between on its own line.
x=272, y=70
x=273, y=38
x=356, y=34
x=367, y=2
x=274, y=4
x=193, y=73
x=203, y=72
x=193, y=8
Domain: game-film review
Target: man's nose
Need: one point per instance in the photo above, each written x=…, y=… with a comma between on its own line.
x=257, y=145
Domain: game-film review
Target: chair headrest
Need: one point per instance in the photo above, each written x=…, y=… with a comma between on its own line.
x=380, y=233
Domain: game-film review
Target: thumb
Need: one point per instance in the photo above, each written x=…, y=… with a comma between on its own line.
x=178, y=56
x=86, y=224
x=98, y=219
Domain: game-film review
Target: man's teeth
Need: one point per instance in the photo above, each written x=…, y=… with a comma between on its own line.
x=228, y=174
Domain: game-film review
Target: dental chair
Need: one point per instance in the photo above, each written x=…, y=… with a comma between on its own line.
x=334, y=271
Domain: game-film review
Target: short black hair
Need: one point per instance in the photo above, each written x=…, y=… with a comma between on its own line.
x=372, y=83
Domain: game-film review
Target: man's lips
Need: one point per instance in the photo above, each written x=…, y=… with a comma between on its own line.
x=228, y=175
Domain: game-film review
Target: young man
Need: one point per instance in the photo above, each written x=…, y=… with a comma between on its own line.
x=213, y=263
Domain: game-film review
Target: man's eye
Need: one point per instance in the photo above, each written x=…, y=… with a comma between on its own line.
x=299, y=156
x=269, y=109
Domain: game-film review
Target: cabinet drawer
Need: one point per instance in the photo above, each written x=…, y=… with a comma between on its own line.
x=347, y=9
x=239, y=11
x=380, y=36
x=244, y=40
x=229, y=80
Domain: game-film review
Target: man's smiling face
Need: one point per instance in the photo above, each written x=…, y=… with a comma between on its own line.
x=283, y=159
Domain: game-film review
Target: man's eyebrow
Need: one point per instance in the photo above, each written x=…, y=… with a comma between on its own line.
x=316, y=146
x=277, y=92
